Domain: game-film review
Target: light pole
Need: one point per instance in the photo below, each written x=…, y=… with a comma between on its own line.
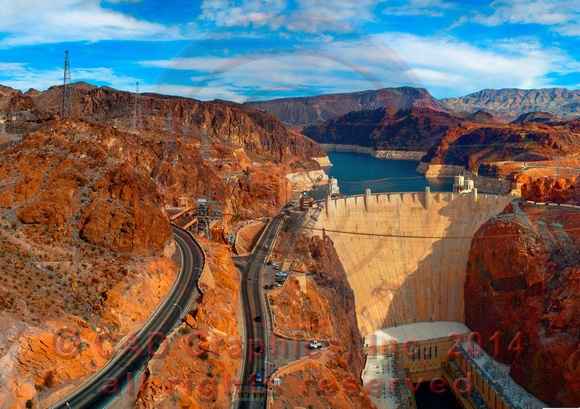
x=180, y=310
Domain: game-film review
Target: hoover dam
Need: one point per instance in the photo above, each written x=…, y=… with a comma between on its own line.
x=405, y=254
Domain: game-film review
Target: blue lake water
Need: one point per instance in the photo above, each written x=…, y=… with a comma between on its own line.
x=357, y=172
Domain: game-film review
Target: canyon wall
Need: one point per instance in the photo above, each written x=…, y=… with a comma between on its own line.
x=414, y=129
x=399, y=273
x=523, y=277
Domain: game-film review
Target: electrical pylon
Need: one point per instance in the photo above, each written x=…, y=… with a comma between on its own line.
x=137, y=122
x=67, y=97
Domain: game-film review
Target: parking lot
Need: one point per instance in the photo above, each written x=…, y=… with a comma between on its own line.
x=273, y=276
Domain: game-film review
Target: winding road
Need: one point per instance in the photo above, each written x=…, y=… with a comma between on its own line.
x=129, y=361
x=253, y=394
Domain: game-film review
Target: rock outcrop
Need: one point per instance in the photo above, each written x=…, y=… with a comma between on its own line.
x=538, y=117
x=551, y=190
x=75, y=180
x=523, y=282
x=472, y=145
x=84, y=232
x=326, y=311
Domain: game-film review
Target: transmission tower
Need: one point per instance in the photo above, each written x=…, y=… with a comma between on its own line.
x=137, y=122
x=67, y=101
x=3, y=135
x=207, y=212
x=204, y=144
x=169, y=122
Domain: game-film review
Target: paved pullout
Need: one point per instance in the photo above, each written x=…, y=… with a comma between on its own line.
x=128, y=363
x=252, y=393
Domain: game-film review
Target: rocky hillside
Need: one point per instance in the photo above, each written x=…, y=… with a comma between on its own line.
x=202, y=360
x=472, y=145
x=519, y=281
x=325, y=311
x=508, y=104
x=84, y=237
x=385, y=128
x=298, y=112
x=81, y=180
x=480, y=116
x=552, y=190
x=216, y=122
x=538, y=117
x=84, y=243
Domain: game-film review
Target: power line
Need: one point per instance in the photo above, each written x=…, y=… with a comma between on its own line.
x=398, y=235
x=381, y=180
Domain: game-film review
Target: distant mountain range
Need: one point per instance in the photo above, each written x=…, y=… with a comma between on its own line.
x=505, y=105
x=508, y=104
x=297, y=112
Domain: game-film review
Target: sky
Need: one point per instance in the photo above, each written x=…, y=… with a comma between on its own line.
x=244, y=50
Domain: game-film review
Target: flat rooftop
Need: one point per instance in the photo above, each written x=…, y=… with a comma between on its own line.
x=421, y=331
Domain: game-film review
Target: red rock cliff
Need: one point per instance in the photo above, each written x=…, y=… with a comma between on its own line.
x=520, y=281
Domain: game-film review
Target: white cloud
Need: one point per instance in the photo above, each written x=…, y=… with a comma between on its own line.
x=563, y=16
x=455, y=66
x=29, y=22
x=227, y=13
x=342, y=10
x=433, y=8
x=345, y=66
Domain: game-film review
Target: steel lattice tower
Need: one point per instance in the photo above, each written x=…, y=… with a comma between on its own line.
x=137, y=123
x=204, y=148
x=67, y=100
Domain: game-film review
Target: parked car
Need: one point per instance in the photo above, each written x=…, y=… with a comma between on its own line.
x=315, y=344
x=258, y=318
x=258, y=377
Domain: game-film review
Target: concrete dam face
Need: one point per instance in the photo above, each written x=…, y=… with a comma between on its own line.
x=398, y=279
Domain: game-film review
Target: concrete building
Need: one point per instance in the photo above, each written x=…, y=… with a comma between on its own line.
x=463, y=186
x=333, y=188
x=306, y=202
x=183, y=202
x=440, y=355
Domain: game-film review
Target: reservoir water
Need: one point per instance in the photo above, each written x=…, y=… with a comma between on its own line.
x=357, y=172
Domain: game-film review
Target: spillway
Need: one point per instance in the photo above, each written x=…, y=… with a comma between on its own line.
x=405, y=254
